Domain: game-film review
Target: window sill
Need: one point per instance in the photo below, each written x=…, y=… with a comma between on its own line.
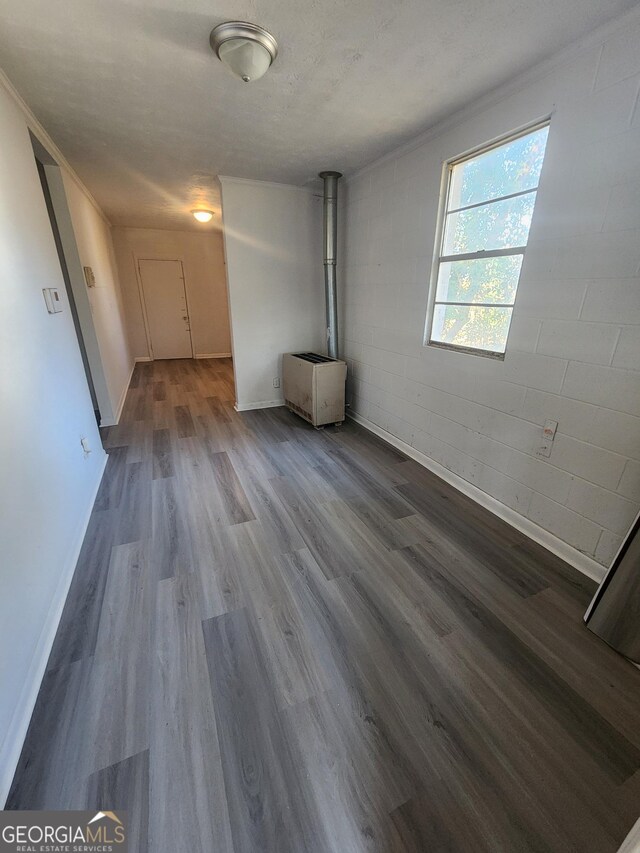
x=483, y=353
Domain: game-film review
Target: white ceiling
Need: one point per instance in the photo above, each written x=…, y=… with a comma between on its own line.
x=133, y=96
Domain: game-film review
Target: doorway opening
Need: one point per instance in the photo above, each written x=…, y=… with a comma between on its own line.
x=62, y=229
x=67, y=283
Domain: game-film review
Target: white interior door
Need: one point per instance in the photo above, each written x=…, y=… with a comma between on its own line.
x=166, y=308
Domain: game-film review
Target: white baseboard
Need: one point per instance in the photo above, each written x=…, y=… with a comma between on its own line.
x=198, y=355
x=552, y=543
x=17, y=729
x=116, y=420
x=263, y=404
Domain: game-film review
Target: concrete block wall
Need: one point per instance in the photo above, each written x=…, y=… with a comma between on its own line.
x=573, y=353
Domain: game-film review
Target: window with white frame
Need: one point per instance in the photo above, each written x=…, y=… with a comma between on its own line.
x=486, y=216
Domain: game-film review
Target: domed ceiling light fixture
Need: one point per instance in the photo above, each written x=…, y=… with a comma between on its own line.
x=202, y=215
x=246, y=49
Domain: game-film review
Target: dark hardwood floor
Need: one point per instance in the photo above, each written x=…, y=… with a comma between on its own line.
x=281, y=640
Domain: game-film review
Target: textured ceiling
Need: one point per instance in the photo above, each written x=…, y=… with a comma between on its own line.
x=133, y=96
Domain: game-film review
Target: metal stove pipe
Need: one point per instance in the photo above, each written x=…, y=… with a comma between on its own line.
x=330, y=253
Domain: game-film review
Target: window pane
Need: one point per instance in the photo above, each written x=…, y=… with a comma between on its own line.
x=497, y=225
x=481, y=280
x=471, y=326
x=507, y=169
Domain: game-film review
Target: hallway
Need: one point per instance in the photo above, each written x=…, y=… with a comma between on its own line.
x=282, y=640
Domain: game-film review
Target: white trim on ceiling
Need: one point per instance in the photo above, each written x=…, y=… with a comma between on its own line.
x=229, y=179
x=199, y=228
x=43, y=137
x=520, y=81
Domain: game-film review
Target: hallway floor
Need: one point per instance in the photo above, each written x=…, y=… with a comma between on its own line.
x=281, y=640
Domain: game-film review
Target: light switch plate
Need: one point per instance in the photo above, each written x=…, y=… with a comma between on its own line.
x=52, y=299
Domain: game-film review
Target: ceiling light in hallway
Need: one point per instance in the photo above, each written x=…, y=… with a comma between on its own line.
x=246, y=49
x=202, y=215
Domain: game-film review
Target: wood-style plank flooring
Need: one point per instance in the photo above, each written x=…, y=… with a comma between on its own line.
x=281, y=640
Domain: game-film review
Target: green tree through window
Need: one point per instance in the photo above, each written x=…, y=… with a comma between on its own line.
x=489, y=205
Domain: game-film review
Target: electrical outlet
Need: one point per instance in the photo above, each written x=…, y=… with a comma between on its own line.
x=276, y=382
x=548, y=436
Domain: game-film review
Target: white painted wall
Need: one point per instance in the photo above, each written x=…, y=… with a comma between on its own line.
x=273, y=245
x=47, y=485
x=203, y=261
x=574, y=349
x=95, y=249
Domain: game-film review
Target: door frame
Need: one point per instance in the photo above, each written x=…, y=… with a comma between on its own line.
x=64, y=237
x=146, y=256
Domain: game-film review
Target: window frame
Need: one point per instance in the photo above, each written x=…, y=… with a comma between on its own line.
x=439, y=258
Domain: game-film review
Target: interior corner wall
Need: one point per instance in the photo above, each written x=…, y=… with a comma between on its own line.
x=94, y=244
x=47, y=484
x=273, y=247
x=573, y=353
x=205, y=281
